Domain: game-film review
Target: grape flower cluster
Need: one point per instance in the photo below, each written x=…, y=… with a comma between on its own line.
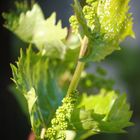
x=60, y=122
x=89, y=12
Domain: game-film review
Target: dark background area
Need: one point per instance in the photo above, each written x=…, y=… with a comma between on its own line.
x=123, y=66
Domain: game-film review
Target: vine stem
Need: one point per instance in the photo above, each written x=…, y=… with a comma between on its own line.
x=79, y=68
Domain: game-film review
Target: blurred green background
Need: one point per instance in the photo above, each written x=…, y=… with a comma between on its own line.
x=123, y=66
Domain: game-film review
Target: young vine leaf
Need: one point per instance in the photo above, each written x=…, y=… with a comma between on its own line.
x=106, y=112
x=34, y=79
x=106, y=23
x=32, y=27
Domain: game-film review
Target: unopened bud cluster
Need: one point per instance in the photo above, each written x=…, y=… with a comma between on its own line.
x=89, y=12
x=60, y=122
x=74, y=23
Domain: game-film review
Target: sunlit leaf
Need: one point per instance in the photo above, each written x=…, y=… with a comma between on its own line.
x=106, y=23
x=32, y=27
x=107, y=112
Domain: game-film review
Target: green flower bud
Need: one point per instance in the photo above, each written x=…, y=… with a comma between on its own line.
x=74, y=23
x=60, y=122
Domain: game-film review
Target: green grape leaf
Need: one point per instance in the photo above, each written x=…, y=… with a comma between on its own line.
x=107, y=112
x=108, y=23
x=118, y=116
x=35, y=81
x=32, y=27
x=114, y=18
